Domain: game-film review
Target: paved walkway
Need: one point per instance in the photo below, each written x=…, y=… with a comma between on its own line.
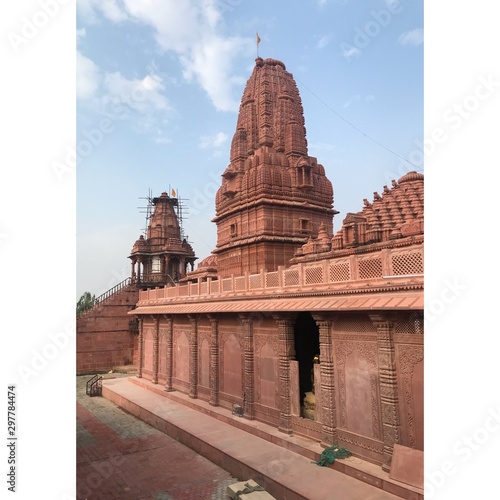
x=284, y=474
x=121, y=457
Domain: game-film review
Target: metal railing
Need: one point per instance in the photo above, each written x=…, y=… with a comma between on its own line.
x=106, y=295
x=94, y=386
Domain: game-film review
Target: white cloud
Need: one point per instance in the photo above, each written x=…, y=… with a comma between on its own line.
x=141, y=95
x=81, y=33
x=324, y=41
x=413, y=37
x=90, y=10
x=87, y=77
x=358, y=98
x=351, y=52
x=213, y=141
x=191, y=29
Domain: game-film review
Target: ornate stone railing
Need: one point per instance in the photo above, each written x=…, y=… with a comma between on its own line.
x=329, y=273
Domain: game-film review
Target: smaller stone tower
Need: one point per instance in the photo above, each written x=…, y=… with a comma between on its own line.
x=162, y=257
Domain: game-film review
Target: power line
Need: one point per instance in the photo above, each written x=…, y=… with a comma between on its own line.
x=356, y=128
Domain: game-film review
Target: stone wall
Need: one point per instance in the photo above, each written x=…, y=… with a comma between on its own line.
x=370, y=400
x=104, y=338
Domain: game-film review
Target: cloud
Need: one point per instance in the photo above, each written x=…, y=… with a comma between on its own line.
x=89, y=10
x=324, y=41
x=351, y=52
x=358, y=98
x=413, y=37
x=87, y=77
x=193, y=30
x=139, y=94
x=212, y=141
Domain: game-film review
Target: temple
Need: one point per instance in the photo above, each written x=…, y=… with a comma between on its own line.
x=315, y=332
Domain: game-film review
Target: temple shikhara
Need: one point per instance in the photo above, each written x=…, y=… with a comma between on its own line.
x=316, y=332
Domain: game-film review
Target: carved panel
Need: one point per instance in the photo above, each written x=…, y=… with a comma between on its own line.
x=367, y=351
x=408, y=356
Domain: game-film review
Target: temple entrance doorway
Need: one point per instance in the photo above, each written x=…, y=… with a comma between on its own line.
x=306, y=336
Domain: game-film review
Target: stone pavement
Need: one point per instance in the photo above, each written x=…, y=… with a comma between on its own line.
x=286, y=475
x=121, y=457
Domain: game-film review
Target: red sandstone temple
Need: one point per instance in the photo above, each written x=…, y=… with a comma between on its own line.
x=317, y=333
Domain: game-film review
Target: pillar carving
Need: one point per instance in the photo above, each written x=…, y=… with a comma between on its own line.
x=214, y=360
x=328, y=409
x=387, y=375
x=248, y=369
x=156, y=348
x=286, y=353
x=140, y=348
x=193, y=357
x=170, y=352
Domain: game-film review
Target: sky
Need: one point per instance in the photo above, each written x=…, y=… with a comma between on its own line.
x=158, y=90
x=66, y=226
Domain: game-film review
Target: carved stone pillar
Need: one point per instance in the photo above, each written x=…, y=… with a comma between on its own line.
x=286, y=353
x=193, y=357
x=170, y=351
x=132, y=275
x=391, y=424
x=327, y=398
x=248, y=369
x=139, y=260
x=140, y=348
x=214, y=361
x=156, y=345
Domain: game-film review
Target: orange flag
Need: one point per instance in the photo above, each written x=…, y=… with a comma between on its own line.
x=257, y=38
x=173, y=192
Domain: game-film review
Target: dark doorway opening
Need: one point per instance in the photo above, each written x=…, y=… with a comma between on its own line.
x=306, y=335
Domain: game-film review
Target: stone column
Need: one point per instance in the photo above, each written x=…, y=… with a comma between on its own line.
x=214, y=361
x=387, y=376
x=138, y=269
x=193, y=357
x=132, y=275
x=248, y=368
x=140, y=347
x=156, y=345
x=170, y=351
x=327, y=394
x=286, y=353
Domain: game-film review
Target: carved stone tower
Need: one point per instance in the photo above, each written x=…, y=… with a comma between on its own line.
x=161, y=258
x=273, y=194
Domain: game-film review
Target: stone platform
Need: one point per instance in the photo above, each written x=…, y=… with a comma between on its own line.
x=253, y=450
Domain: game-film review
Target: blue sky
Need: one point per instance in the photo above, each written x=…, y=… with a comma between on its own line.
x=167, y=77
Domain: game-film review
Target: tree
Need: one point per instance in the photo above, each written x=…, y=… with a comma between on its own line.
x=85, y=302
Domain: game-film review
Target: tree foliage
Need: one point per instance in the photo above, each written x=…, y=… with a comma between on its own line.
x=86, y=301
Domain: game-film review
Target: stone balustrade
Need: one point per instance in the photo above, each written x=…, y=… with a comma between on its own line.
x=326, y=274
